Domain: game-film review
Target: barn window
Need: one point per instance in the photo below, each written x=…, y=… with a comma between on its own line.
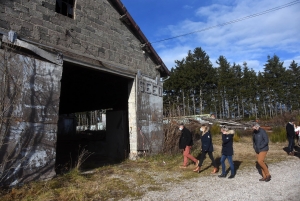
x=65, y=7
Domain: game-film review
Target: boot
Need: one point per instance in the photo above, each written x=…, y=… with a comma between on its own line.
x=215, y=170
x=197, y=169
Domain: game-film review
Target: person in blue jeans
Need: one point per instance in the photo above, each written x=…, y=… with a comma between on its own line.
x=227, y=152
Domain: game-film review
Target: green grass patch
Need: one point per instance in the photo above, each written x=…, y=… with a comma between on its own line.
x=278, y=134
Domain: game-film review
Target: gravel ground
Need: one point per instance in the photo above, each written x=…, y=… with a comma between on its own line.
x=284, y=185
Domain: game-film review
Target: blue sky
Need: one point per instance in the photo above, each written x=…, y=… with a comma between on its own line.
x=250, y=41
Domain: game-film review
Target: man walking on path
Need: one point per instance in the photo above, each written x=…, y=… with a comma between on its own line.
x=186, y=143
x=290, y=132
x=261, y=148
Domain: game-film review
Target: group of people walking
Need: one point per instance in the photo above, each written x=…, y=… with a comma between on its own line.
x=260, y=145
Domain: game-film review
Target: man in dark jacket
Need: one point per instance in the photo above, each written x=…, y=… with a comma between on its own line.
x=290, y=132
x=186, y=143
x=261, y=148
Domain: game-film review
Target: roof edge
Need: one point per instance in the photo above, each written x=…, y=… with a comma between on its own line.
x=145, y=44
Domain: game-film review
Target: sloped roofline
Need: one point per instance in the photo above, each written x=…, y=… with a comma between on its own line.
x=146, y=46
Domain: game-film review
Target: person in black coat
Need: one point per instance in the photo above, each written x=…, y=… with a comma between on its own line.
x=290, y=132
x=227, y=151
x=186, y=143
x=207, y=148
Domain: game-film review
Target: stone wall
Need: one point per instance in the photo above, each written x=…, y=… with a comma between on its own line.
x=95, y=32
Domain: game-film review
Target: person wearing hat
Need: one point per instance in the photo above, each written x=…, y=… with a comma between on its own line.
x=186, y=143
x=227, y=151
x=290, y=132
x=261, y=148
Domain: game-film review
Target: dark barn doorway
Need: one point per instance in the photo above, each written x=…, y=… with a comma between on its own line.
x=93, y=115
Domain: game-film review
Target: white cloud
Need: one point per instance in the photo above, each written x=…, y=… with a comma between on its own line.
x=187, y=7
x=251, y=40
x=287, y=62
x=177, y=53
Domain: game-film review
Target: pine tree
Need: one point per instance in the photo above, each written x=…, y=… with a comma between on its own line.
x=293, y=85
x=274, y=77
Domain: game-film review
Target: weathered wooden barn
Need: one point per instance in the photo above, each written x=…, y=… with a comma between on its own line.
x=61, y=58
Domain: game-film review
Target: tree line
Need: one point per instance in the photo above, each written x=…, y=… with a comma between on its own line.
x=230, y=90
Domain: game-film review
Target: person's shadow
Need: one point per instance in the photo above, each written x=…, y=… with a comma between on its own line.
x=236, y=164
x=297, y=151
x=198, y=158
x=286, y=149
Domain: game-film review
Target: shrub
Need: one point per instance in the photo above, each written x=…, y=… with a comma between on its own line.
x=245, y=133
x=83, y=154
x=282, y=120
x=252, y=118
x=215, y=129
x=171, y=135
x=237, y=136
x=249, y=118
x=278, y=134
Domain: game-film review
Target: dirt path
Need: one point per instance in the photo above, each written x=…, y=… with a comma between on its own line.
x=285, y=185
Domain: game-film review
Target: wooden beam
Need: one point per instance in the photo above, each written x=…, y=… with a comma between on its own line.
x=54, y=58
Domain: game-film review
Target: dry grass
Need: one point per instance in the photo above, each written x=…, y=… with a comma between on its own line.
x=131, y=179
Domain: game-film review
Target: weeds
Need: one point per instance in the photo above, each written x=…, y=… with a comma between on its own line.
x=215, y=129
x=237, y=136
x=282, y=120
x=82, y=156
x=278, y=134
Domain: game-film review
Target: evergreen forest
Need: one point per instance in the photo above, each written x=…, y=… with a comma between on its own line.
x=230, y=90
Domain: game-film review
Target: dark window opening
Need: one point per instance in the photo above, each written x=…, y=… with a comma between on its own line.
x=65, y=7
